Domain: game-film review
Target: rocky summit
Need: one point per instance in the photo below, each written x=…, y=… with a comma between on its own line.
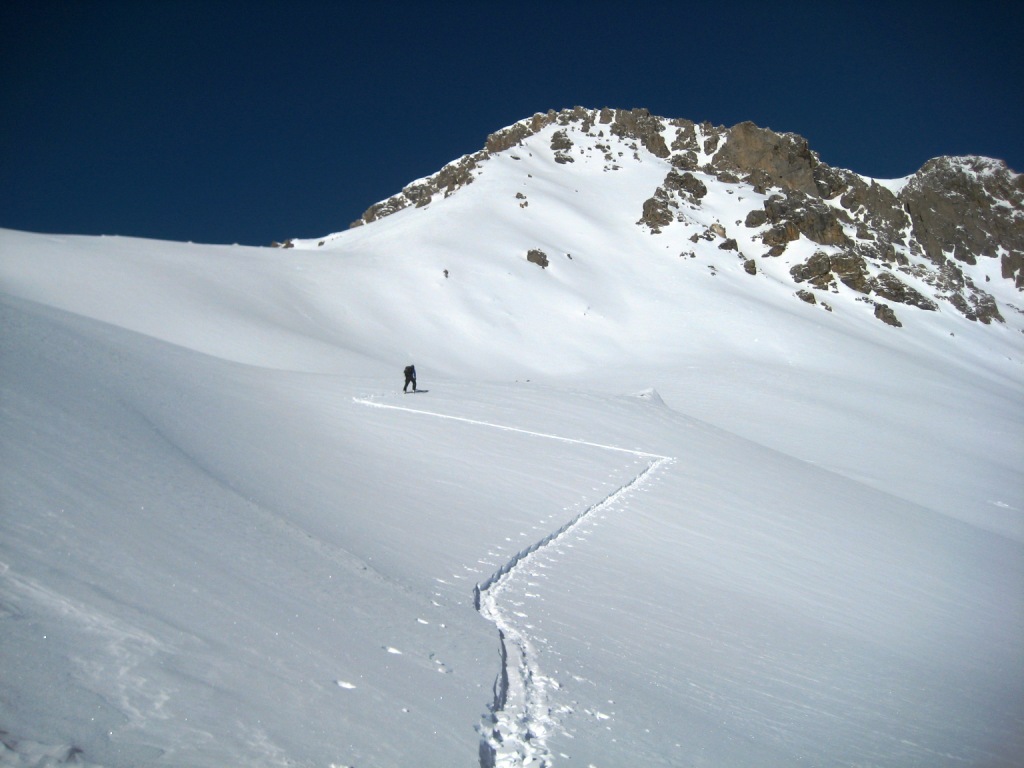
x=906, y=243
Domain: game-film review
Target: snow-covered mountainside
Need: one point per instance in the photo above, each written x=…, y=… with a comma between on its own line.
x=716, y=461
x=901, y=241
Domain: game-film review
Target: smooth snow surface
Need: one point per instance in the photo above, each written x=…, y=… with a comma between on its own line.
x=651, y=510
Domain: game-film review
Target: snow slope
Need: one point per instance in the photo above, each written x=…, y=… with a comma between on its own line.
x=651, y=511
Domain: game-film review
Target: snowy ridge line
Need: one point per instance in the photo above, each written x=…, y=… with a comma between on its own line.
x=515, y=733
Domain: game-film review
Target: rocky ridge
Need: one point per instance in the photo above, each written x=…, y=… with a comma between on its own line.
x=879, y=239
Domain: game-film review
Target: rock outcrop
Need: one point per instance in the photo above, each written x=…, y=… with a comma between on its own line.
x=538, y=257
x=767, y=159
x=968, y=208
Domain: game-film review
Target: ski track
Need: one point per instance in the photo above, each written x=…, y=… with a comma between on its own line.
x=514, y=734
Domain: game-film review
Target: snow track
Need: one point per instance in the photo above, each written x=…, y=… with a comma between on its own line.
x=514, y=733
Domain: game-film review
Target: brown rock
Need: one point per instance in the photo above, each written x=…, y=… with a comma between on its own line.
x=884, y=313
x=656, y=213
x=890, y=287
x=755, y=218
x=851, y=271
x=538, y=257
x=966, y=207
x=781, y=234
x=783, y=160
x=817, y=270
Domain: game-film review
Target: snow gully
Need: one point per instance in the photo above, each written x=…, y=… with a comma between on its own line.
x=514, y=733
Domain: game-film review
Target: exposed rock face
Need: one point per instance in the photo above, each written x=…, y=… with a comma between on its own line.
x=902, y=242
x=799, y=214
x=768, y=159
x=817, y=270
x=884, y=313
x=686, y=185
x=968, y=207
x=677, y=190
x=888, y=286
x=657, y=212
x=561, y=144
x=638, y=124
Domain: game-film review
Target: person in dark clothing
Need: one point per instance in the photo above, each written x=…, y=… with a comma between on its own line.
x=410, y=378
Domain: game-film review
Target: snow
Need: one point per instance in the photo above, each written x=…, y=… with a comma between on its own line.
x=893, y=185
x=713, y=524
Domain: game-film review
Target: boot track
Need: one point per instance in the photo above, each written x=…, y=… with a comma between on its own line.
x=514, y=732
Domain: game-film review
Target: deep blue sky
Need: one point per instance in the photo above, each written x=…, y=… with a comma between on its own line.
x=223, y=122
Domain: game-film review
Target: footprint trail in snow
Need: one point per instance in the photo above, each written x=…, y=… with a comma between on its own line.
x=514, y=734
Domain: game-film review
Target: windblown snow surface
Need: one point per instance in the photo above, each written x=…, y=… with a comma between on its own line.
x=651, y=511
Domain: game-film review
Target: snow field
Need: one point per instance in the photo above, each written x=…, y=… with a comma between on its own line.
x=213, y=552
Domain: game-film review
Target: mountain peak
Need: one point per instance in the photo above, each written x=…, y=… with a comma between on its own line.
x=944, y=237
